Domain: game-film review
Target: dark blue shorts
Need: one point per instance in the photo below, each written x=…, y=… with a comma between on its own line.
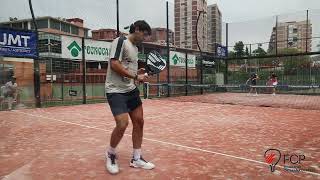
x=124, y=102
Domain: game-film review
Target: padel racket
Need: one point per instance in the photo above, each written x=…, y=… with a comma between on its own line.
x=155, y=63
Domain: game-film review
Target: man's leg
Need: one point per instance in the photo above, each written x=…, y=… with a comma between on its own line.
x=255, y=90
x=137, y=133
x=116, y=136
x=137, y=123
x=273, y=91
x=250, y=91
x=15, y=95
x=10, y=102
x=118, y=106
x=121, y=126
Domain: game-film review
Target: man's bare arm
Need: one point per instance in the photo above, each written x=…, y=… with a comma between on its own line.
x=118, y=68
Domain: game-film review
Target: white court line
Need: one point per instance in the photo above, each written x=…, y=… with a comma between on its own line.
x=168, y=143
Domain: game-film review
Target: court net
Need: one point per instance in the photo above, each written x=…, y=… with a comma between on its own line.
x=289, y=96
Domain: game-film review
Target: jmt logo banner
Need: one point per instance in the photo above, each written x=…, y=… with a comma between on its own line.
x=18, y=43
x=179, y=59
x=94, y=50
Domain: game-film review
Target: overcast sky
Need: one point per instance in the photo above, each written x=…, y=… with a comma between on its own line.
x=243, y=10
x=250, y=20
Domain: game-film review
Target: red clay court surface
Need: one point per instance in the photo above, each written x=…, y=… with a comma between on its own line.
x=185, y=140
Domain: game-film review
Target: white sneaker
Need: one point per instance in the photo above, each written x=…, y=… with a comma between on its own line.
x=141, y=163
x=273, y=94
x=111, y=164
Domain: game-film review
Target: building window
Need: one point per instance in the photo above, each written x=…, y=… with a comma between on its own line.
x=74, y=30
x=54, y=24
x=65, y=27
x=5, y=25
x=25, y=25
x=55, y=46
x=17, y=25
x=42, y=23
x=43, y=45
x=86, y=33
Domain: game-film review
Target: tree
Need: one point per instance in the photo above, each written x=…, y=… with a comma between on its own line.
x=238, y=48
x=292, y=63
x=259, y=52
x=247, y=51
x=231, y=54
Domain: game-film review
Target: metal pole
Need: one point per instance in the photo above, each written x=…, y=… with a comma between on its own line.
x=84, y=94
x=36, y=67
x=62, y=84
x=287, y=36
x=51, y=78
x=310, y=75
x=201, y=74
x=227, y=54
x=50, y=56
x=307, y=33
x=118, y=32
x=168, y=51
x=201, y=59
x=276, y=35
x=186, y=86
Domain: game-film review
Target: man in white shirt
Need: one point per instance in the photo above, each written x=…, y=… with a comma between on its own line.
x=10, y=91
x=123, y=95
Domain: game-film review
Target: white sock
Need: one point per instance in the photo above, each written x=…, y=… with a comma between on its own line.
x=112, y=150
x=136, y=154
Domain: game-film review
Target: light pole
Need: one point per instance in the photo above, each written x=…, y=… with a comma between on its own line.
x=50, y=55
x=36, y=67
x=118, y=32
x=201, y=58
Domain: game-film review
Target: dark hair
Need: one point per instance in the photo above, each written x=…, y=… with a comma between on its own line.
x=141, y=25
x=253, y=75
